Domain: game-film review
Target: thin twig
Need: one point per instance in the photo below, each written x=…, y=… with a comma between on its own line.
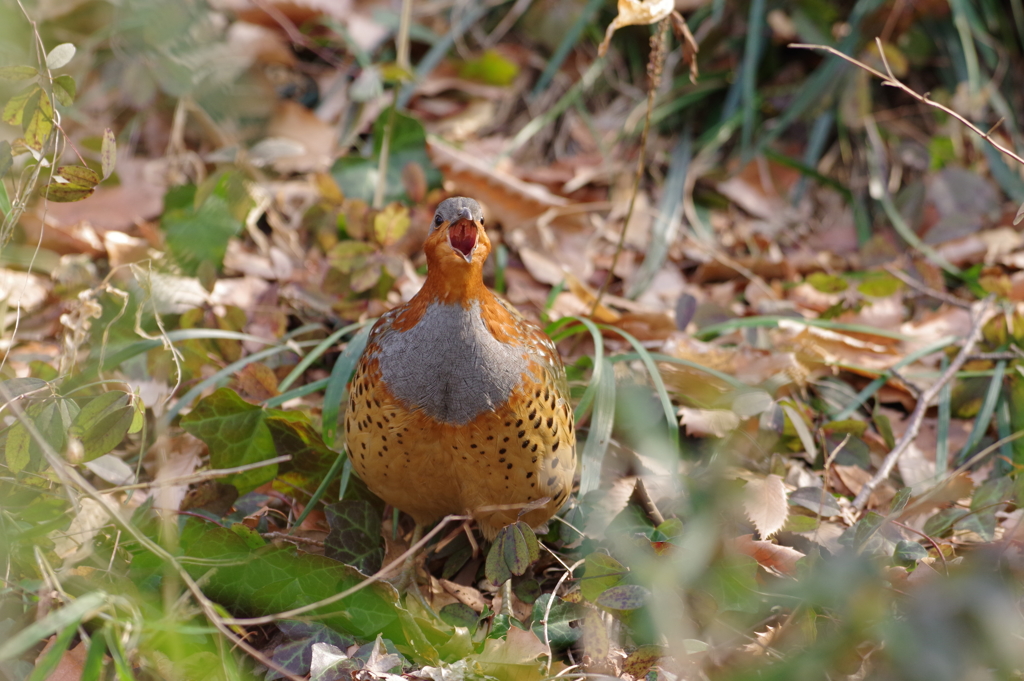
x=654, y=67
x=917, y=416
x=925, y=289
x=891, y=80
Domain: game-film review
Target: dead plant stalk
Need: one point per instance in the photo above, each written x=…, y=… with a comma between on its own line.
x=891, y=80
x=983, y=312
x=654, y=68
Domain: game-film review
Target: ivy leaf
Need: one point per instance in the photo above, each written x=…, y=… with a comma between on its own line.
x=624, y=597
x=236, y=433
x=354, y=537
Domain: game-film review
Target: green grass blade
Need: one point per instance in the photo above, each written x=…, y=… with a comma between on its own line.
x=57, y=620
x=301, y=391
x=773, y=321
x=670, y=215
x=322, y=487
x=659, y=383
x=340, y=376
x=49, y=663
x=942, y=429
x=874, y=386
x=600, y=432
x=315, y=354
x=752, y=52
x=988, y=407
x=565, y=47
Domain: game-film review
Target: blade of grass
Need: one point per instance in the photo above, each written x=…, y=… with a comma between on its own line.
x=301, y=391
x=227, y=371
x=670, y=215
x=500, y=265
x=752, y=52
x=595, y=333
x=601, y=421
x=874, y=386
x=709, y=332
x=322, y=488
x=315, y=354
x=659, y=383
x=658, y=357
x=49, y=663
x=340, y=376
x=942, y=429
x=1004, y=430
x=988, y=407
x=564, y=47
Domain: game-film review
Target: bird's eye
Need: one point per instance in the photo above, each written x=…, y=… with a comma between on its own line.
x=438, y=219
x=481, y=222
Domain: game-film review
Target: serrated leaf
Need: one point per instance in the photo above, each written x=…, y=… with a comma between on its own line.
x=108, y=153
x=15, y=73
x=64, y=89
x=624, y=597
x=354, y=537
x=60, y=56
x=765, y=504
x=236, y=433
x=600, y=573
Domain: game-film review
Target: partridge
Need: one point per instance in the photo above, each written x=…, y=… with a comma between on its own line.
x=458, y=404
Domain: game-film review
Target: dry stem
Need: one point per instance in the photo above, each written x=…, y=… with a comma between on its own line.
x=917, y=416
x=889, y=79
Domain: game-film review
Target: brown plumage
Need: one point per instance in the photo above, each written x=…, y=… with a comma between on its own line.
x=458, y=404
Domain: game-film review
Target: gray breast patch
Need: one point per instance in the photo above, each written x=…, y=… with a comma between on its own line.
x=449, y=365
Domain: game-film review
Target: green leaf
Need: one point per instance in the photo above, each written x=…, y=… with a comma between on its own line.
x=275, y=579
x=200, y=235
x=293, y=434
x=899, y=502
x=520, y=548
x=879, y=285
x=96, y=409
x=495, y=567
x=459, y=615
x=60, y=56
x=908, y=552
x=64, y=89
x=108, y=432
x=14, y=110
x=624, y=597
x=49, y=662
x=108, y=153
x=560, y=632
x=57, y=620
x=72, y=183
x=827, y=283
x=490, y=68
x=943, y=521
x=354, y=537
x=600, y=573
x=37, y=121
x=16, y=387
x=991, y=493
x=237, y=434
x=15, y=73
x=17, y=449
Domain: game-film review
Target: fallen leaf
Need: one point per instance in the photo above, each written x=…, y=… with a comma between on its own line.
x=765, y=504
x=768, y=554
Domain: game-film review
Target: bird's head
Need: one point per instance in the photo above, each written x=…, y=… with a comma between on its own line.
x=457, y=241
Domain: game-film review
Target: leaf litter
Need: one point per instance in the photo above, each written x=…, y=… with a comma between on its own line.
x=240, y=216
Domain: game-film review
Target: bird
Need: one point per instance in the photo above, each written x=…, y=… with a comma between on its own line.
x=458, y=404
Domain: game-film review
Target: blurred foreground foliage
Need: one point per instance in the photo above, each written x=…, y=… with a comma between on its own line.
x=278, y=167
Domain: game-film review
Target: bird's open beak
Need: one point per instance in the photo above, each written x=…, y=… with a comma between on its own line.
x=464, y=234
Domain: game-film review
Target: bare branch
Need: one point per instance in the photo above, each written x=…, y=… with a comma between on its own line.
x=891, y=80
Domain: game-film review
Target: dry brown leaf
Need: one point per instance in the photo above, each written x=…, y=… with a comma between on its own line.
x=765, y=504
x=295, y=122
x=768, y=554
x=708, y=422
x=636, y=13
x=71, y=662
x=855, y=477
